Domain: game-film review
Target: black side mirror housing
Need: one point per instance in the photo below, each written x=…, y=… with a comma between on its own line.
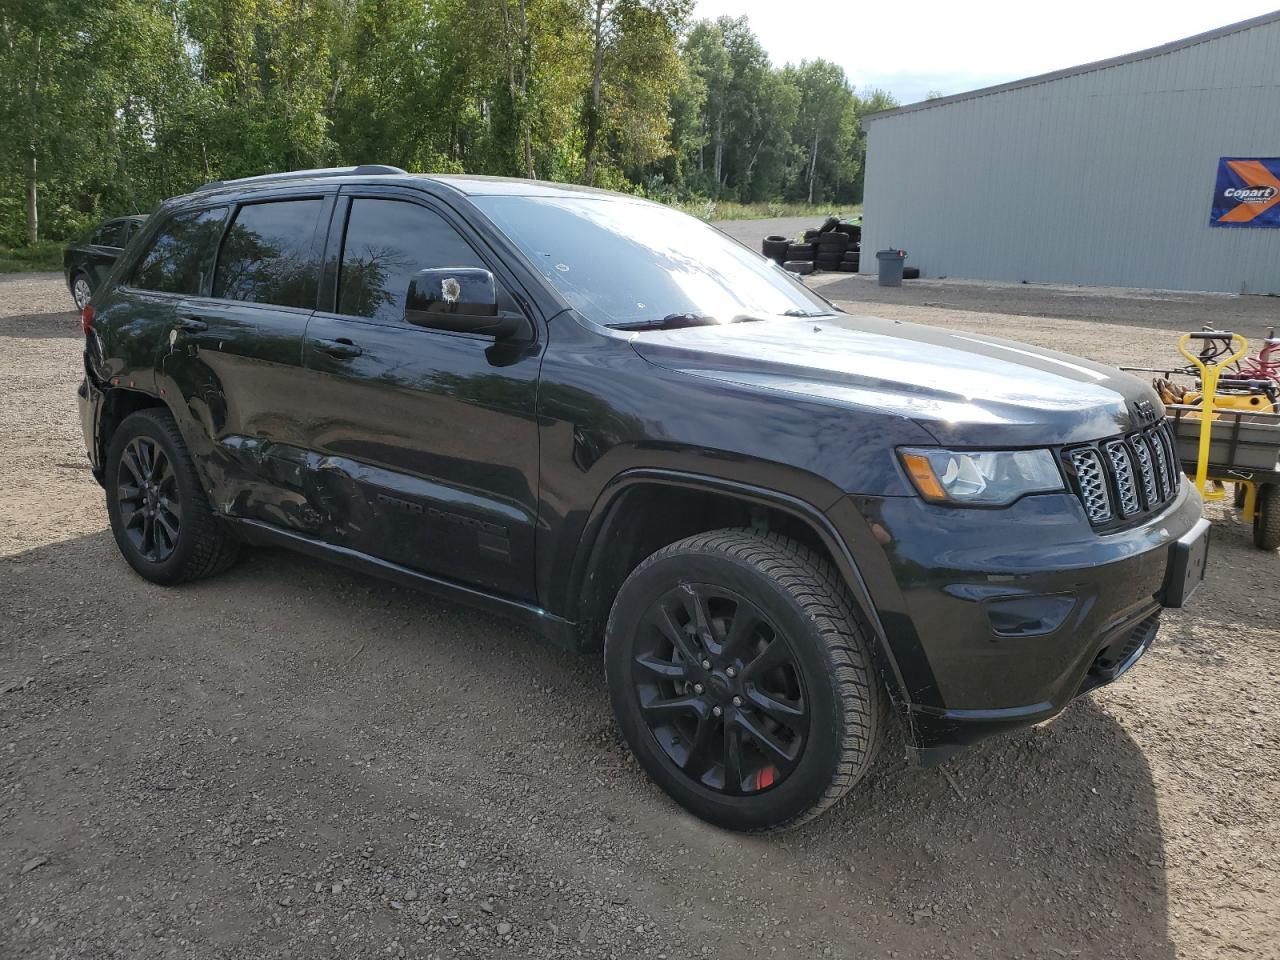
x=458, y=299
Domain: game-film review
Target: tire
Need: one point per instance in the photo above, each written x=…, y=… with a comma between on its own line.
x=828, y=265
x=1266, y=519
x=824, y=712
x=1238, y=491
x=172, y=546
x=910, y=273
x=774, y=246
x=802, y=267
x=847, y=267
x=829, y=225
x=836, y=241
x=800, y=251
x=811, y=235
x=81, y=289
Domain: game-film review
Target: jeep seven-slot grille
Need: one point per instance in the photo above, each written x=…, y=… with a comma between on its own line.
x=1120, y=478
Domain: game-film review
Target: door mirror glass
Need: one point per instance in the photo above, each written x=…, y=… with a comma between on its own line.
x=460, y=299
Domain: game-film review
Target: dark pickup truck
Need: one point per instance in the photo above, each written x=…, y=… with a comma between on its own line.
x=786, y=526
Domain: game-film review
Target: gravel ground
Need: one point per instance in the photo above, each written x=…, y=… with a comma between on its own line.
x=293, y=761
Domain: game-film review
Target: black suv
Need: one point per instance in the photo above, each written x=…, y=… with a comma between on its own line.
x=785, y=524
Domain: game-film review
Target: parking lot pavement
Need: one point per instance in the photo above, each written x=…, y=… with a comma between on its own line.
x=290, y=760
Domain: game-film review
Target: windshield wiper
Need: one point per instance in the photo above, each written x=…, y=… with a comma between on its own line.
x=671, y=320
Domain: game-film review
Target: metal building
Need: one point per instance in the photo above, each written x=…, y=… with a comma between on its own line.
x=1103, y=174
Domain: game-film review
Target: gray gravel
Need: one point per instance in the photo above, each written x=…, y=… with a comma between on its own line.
x=293, y=761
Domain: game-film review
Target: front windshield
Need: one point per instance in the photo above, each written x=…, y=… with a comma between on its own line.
x=626, y=262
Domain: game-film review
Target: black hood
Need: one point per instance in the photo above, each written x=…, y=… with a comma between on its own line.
x=965, y=389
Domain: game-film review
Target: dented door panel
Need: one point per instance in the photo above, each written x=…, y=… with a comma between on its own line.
x=425, y=449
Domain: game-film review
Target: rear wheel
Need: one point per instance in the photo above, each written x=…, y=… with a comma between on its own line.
x=159, y=512
x=1266, y=518
x=740, y=676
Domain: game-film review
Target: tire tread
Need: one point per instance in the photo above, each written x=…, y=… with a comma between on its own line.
x=817, y=587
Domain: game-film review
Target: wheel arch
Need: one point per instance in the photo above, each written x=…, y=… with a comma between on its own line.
x=677, y=504
x=117, y=404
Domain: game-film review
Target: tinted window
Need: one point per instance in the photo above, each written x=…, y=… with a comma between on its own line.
x=268, y=254
x=387, y=242
x=110, y=234
x=181, y=254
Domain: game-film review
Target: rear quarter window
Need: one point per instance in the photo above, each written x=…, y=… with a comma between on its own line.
x=180, y=255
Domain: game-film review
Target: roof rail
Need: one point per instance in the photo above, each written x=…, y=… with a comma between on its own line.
x=364, y=170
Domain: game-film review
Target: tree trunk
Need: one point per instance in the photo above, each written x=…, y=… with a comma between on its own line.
x=813, y=164
x=33, y=211
x=526, y=134
x=593, y=112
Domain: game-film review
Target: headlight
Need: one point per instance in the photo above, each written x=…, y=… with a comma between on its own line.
x=992, y=478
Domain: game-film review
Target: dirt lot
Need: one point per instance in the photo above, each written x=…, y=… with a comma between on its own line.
x=293, y=761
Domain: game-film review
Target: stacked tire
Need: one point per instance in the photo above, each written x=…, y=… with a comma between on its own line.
x=775, y=247
x=799, y=258
x=830, y=248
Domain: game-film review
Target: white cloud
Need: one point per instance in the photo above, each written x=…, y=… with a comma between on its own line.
x=912, y=48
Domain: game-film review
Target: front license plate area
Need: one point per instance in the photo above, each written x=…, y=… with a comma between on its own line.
x=1185, y=570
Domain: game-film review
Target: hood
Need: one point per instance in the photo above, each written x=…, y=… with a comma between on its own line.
x=965, y=389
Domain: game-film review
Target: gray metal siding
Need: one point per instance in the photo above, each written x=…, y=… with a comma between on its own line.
x=1102, y=178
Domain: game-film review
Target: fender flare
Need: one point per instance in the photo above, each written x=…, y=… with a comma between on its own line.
x=606, y=504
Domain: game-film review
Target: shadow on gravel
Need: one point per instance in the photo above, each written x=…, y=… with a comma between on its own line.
x=41, y=326
x=341, y=690
x=1050, y=836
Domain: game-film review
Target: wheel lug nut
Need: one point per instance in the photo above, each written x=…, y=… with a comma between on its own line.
x=697, y=688
x=737, y=701
x=716, y=711
x=706, y=664
x=730, y=672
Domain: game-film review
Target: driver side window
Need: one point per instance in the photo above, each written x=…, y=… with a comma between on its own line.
x=385, y=244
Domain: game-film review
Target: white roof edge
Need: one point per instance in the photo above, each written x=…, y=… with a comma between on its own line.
x=1160, y=51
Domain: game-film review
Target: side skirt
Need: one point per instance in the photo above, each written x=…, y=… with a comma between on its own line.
x=561, y=632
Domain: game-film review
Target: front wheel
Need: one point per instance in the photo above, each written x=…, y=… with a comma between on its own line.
x=741, y=677
x=81, y=290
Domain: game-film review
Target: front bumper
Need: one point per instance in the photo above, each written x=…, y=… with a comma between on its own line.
x=997, y=619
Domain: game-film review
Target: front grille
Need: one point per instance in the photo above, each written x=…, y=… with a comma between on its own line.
x=1121, y=478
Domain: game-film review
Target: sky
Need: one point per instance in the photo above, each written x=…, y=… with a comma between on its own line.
x=911, y=49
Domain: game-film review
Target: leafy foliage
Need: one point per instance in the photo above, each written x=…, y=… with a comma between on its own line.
x=108, y=106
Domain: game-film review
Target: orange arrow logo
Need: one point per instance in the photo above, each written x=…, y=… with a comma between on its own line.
x=1262, y=193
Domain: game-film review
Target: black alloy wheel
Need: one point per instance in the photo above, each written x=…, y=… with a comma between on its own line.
x=149, y=502
x=160, y=513
x=741, y=677
x=719, y=689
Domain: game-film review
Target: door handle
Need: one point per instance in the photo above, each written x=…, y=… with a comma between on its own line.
x=342, y=348
x=191, y=325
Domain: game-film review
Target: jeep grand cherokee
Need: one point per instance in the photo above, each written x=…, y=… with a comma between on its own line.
x=785, y=525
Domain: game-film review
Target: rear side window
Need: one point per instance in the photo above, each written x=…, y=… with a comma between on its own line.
x=181, y=254
x=110, y=234
x=269, y=254
x=386, y=243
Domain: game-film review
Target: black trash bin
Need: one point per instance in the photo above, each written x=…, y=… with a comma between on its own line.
x=890, y=263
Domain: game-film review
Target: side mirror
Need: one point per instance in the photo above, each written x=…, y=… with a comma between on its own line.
x=459, y=299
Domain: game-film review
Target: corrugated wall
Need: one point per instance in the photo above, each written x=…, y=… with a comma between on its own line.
x=1104, y=178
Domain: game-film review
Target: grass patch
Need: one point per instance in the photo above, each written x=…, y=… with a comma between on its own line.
x=45, y=255
x=728, y=210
